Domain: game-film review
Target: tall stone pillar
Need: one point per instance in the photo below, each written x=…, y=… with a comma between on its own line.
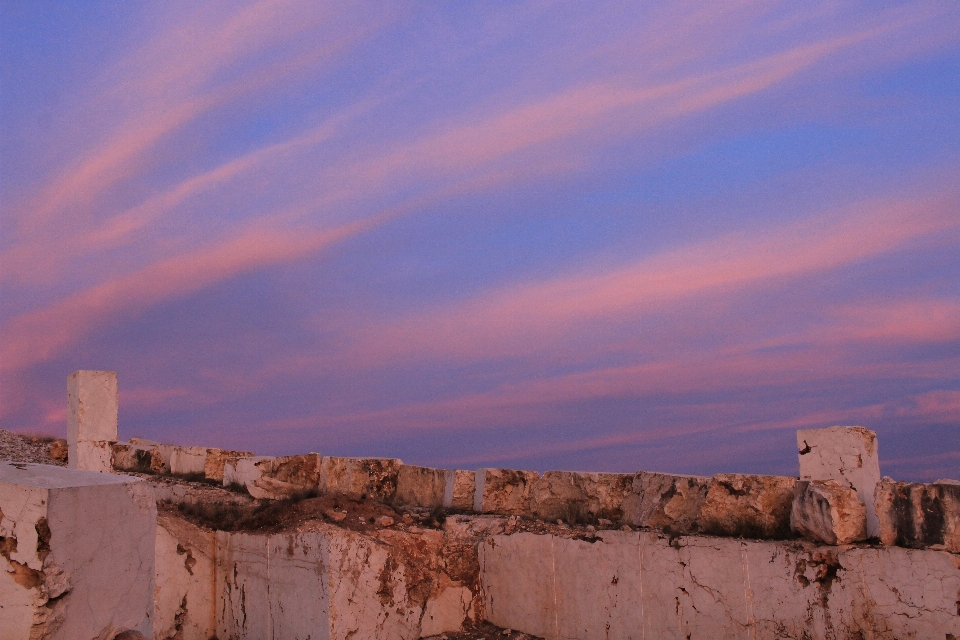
x=847, y=455
x=92, y=411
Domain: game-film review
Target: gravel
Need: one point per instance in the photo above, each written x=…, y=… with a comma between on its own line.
x=18, y=448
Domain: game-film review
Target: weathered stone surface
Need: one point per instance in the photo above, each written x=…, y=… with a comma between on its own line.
x=327, y=582
x=667, y=502
x=375, y=478
x=184, y=600
x=58, y=450
x=646, y=585
x=747, y=506
x=188, y=460
x=92, y=409
x=504, y=491
x=217, y=459
x=274, y=477
x=919, y=515
x=126, y=456
x=76, y=553
x=845, y=454
x=421, y=486
x=827, y=511
x=579, y=497
x=460, y=490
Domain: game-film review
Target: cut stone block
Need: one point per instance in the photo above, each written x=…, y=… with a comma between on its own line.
x=667, y=502
x=421, y=486
x=185, y=600
x=827, y=511
x=76, y=553
x=504, y=491
x=186, y=461
x=217, y=459
x=847, y=455
x=621, y=585
x=91, y=418
x=374, y=478
x=747, y=506
x=919, y=515
x=131, y=457
x=460, y=490
x=579, y=497
x=242, y=471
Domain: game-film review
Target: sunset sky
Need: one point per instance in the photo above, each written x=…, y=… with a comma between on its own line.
x=577, y=235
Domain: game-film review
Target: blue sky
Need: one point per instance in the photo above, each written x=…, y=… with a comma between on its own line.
x=544, y=235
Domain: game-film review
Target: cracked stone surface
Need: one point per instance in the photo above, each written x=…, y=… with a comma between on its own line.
x=749, y=506
x=664, y=501
x=848, y=455
x=77, y=553
x=375, y=478
x=575, y=496
x=648, y=585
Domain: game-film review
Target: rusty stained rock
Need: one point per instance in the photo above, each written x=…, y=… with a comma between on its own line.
x=827, y=511
x=373, y=478
x=747, y=506
x=919, y=515
x=421, y=486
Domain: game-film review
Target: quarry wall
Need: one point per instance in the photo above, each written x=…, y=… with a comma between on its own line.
x=838, y=552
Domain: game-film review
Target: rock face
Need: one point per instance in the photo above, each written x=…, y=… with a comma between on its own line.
x=580, y=497
x=919, y=515
x=76, y=553
x=667, y=502
x=374, y=478
x=460, y=490
x=421, y=486
x=92, y=409
x=216, y=460
x=126, y=456
x=504, y=491
x=826, y=511
x=184, y=599
x=747, y=506
x=846, y=454
x=622, y=585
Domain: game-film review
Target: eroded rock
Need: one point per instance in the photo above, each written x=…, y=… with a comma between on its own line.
x=374, y=478
x=919, y=515
x=827, y=511
x=667, y=502
x=575, y=496
x=421, y=486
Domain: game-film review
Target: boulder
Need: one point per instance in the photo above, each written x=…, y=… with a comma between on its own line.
x=827, y=511
x=747, y=506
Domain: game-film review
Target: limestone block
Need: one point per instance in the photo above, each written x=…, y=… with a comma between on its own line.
x=667, y=502
x=747, y=506
x=188, y=460
x=919, y=515
x=647, y=585
x=273, y=477
x=580, y=497
x=184, y=601
x=126, y=456
x=847, y=455
x=421, y=486
x=243, y=471
x=92, y=406
x=504, y=491
x=460, y=490
x=217, y=459
x=76, y=553
x=91, y=456
x=827, y=511
x=374, y=478
x=447, y=610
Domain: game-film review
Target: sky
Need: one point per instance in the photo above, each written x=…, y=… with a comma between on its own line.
x=542, y=235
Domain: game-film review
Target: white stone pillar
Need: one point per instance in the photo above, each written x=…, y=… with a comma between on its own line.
x=847, y=455
x=92, y=409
